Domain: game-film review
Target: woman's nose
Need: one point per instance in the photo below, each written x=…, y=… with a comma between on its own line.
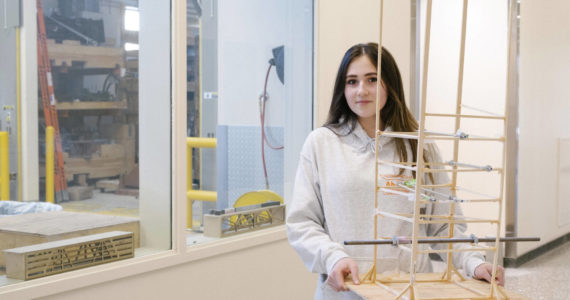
x=362, y=89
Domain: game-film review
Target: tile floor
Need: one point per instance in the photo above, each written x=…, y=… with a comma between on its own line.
x=545, y=277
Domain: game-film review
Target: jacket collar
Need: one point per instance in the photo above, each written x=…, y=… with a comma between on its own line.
x=365, y=142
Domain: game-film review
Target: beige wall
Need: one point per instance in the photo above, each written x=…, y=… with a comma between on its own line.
x=341, y=24
x=544, y=118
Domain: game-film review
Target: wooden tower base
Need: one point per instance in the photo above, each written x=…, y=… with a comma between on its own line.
x=428, y=286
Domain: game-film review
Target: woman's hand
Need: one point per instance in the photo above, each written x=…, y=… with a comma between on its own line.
x=485, y=270
x=340, y=270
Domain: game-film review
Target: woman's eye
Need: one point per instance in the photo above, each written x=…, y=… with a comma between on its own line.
x=351, y=81
x=373, y=79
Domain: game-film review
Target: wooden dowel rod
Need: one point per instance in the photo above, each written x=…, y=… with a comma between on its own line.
x=465, y=116
x=454, y=138
x=472, y=249
x=429, y=170
x=395, y=216
x=397, y=165
x=456, y=221
x=444, y=185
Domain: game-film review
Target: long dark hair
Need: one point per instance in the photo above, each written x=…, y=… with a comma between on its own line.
x=395, y=112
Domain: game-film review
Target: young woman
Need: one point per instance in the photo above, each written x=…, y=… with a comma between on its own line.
x=333, y=200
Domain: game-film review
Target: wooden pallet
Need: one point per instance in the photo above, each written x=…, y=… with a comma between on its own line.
x=51, y=258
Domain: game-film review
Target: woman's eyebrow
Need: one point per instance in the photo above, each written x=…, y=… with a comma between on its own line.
x=367, y=74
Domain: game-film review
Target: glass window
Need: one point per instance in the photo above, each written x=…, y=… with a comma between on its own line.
x=249, y=110
x=104, y=73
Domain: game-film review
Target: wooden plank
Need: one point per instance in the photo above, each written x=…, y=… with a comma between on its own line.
x=51, y=258
x=94, y=57
x=23, y=230
x=91, y=105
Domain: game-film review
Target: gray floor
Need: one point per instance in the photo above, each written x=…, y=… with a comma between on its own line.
x=106, y=203
x=546, y=277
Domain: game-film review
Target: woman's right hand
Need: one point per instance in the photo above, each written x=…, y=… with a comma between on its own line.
x=340, y=270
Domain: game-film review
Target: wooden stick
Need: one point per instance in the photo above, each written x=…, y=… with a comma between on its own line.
x=454, y=270
x=429, y=170
x=420, y=149
x=389, y=289
x=458, y=221
x=445, y=185
x=407, y=287
x=472, y=249
x=457, y=126
x=377, y=140
x=395, y=216
x=397, y=165
x=465, y=116
x=509, y=75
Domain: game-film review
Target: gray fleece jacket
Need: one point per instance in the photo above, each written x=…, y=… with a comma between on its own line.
x=333, y=201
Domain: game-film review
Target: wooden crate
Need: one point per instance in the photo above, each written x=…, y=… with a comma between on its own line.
x=51, y=258
x=30, y=229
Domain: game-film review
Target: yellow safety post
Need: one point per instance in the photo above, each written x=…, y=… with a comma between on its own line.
x=4, y=166
x=211, y=196
x=50, y=154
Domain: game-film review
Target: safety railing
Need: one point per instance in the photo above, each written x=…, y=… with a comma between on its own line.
x=4, y=166
x=201, y=195
x=50, y=157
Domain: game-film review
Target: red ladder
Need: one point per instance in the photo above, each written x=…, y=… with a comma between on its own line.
x=48, y=101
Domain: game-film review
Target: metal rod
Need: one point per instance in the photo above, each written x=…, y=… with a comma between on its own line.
x=442, y=240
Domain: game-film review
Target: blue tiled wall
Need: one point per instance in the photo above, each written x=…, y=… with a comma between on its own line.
x=239, y=164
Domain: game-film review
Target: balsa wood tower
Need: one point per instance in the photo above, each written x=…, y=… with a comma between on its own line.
x=451, y=284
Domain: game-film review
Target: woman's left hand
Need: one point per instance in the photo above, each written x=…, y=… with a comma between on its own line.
x=485, y=270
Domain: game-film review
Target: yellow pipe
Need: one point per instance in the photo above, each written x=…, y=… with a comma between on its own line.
x=49, y=164
x=18, y=114
x=200, y=92
x=196, y=142
x=189, y=184
x=211, y=196
x=4, y=166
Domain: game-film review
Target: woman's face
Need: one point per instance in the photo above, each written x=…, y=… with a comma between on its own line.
x=360, y=89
